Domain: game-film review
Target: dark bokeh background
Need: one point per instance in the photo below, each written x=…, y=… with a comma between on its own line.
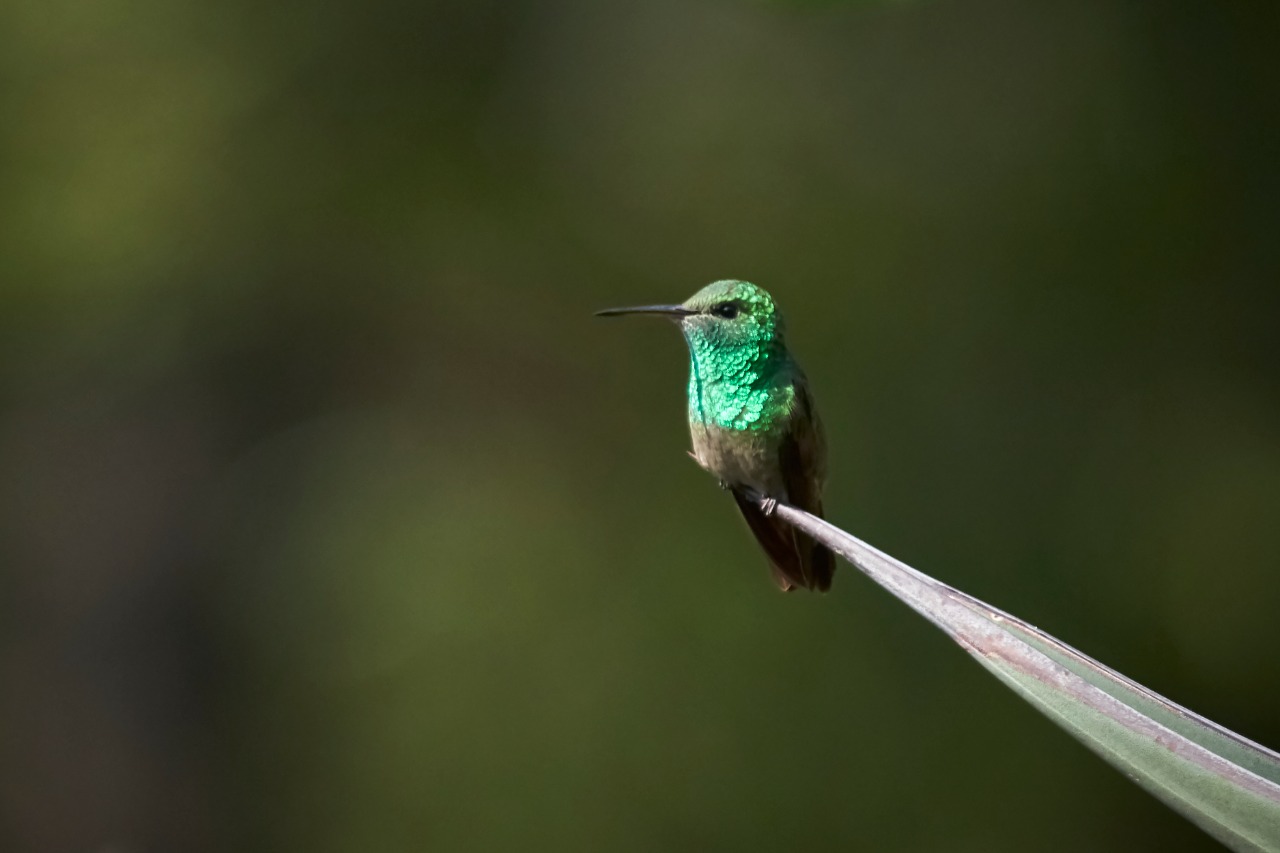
x=330, y=520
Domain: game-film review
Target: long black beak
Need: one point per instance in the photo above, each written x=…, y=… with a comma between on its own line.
x=675, y=312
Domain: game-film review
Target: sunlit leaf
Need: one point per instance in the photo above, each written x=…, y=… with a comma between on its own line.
x=1228, y=785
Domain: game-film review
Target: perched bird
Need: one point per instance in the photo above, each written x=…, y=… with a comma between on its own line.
x=752, y=419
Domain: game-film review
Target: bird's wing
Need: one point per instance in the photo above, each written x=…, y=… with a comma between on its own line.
x=802, y=454
x=796, y=559
x=803, y=457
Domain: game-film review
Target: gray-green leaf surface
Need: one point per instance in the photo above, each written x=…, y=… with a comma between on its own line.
x=1227, y=784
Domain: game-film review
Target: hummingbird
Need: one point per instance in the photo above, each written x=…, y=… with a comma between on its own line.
x=752, y=420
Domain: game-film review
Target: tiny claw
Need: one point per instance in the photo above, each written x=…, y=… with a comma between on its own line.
x=724, y=486
x=768, y=505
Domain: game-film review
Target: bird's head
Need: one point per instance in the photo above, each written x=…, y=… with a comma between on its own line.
x=726, y=314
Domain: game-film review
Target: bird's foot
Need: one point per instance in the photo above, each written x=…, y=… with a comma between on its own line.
x=768, y=505
x=724, y=486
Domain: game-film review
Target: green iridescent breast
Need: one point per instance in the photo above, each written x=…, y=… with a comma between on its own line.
x=739, y=368
x=738, y=390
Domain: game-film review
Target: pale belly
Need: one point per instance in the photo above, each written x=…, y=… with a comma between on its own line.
x=739, y=458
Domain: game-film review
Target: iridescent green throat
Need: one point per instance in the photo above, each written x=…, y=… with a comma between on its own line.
x=736, y=386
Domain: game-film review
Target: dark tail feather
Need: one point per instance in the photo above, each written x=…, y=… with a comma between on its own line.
x=796, y=559
x=822, y=563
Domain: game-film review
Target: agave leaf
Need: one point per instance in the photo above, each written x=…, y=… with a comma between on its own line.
x=1226, y=784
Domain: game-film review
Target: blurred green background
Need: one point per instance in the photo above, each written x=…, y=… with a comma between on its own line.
x=330, y=520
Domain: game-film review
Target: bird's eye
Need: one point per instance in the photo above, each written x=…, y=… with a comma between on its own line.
x=727, y=310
